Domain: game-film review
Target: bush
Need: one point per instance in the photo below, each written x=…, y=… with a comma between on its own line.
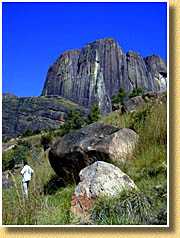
x=30, y=133
x=14, y=156
x=136, y=92
x=119, y=98
x=137, y=118
x=8, y=161
x=94, y=114
x=46, y=140
x=75, y=121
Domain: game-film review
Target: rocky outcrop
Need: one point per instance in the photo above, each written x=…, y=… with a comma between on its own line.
x=6, y=180
x=98, y=179
x=133, y=103
x=96, y=72
x=20, y=114
x=76, y=150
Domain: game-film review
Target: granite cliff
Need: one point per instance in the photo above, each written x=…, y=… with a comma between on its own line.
x=79, y=78
x=97, y=71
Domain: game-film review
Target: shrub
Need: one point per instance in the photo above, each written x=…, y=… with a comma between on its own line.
x=14, y=156
x=8, y=161
x=94, y=114
x=75, y=121
x=46, y=140
x=119, y=98
x=29, y=132
x=137, y=118
x=136, y=92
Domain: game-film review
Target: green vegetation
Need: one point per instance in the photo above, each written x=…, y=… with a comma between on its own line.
x=136, y=92
x=30, y=133
x=40, y=208
x=128, y=208
x=59, y=100
x=15, y=156
x=46, y=140
x=75, y=121
x=94, y=114
x=147, y=169
x=119, y=98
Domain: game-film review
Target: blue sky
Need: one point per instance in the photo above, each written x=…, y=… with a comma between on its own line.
x=35, y=34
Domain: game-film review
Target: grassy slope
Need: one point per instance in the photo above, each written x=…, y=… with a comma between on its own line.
x=147, y=169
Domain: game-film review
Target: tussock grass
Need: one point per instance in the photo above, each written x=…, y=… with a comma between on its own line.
x=147, y=168
x=39, y=208
x=128, y=208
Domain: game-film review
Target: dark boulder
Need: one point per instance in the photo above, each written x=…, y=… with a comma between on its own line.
x=81, y=148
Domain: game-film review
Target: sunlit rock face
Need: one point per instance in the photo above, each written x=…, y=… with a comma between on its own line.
x=97, y=71
x=158, y=70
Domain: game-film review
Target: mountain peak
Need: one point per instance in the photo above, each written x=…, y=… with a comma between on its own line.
x=95, y=73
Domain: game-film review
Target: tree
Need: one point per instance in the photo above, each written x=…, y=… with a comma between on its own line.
x=94, y=114
x=119, y=98
x=136, y=92
x=75, y=121
x=46, y=140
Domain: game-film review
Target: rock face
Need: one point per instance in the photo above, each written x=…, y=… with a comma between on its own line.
x=6, y=180
x=96, y=72
x=98, y=179
x=20, y=114
x=133, y=103
x=76, y=150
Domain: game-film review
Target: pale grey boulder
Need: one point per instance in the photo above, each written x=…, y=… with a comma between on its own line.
x=97, y=180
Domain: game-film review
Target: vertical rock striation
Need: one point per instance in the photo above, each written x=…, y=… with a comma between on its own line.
x=96, y=72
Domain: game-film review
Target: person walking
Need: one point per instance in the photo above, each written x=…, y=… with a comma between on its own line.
x=26, y=173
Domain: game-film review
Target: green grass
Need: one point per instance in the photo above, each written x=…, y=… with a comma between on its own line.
x=128, y=208
x=57, y=208
x=39, y=208
x=147, y=168
x=65, y=102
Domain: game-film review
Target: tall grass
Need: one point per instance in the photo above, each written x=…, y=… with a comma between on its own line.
x=128, y=208
x=38, y=208
x=147, y=168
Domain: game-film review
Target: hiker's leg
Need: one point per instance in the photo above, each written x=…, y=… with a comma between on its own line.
x=25, y=189
x=27, y=184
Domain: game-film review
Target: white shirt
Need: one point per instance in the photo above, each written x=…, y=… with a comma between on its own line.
x=27, y=173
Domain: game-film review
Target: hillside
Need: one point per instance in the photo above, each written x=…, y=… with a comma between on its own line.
x=96, y=139
x=31, y=115
x=50, y=201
